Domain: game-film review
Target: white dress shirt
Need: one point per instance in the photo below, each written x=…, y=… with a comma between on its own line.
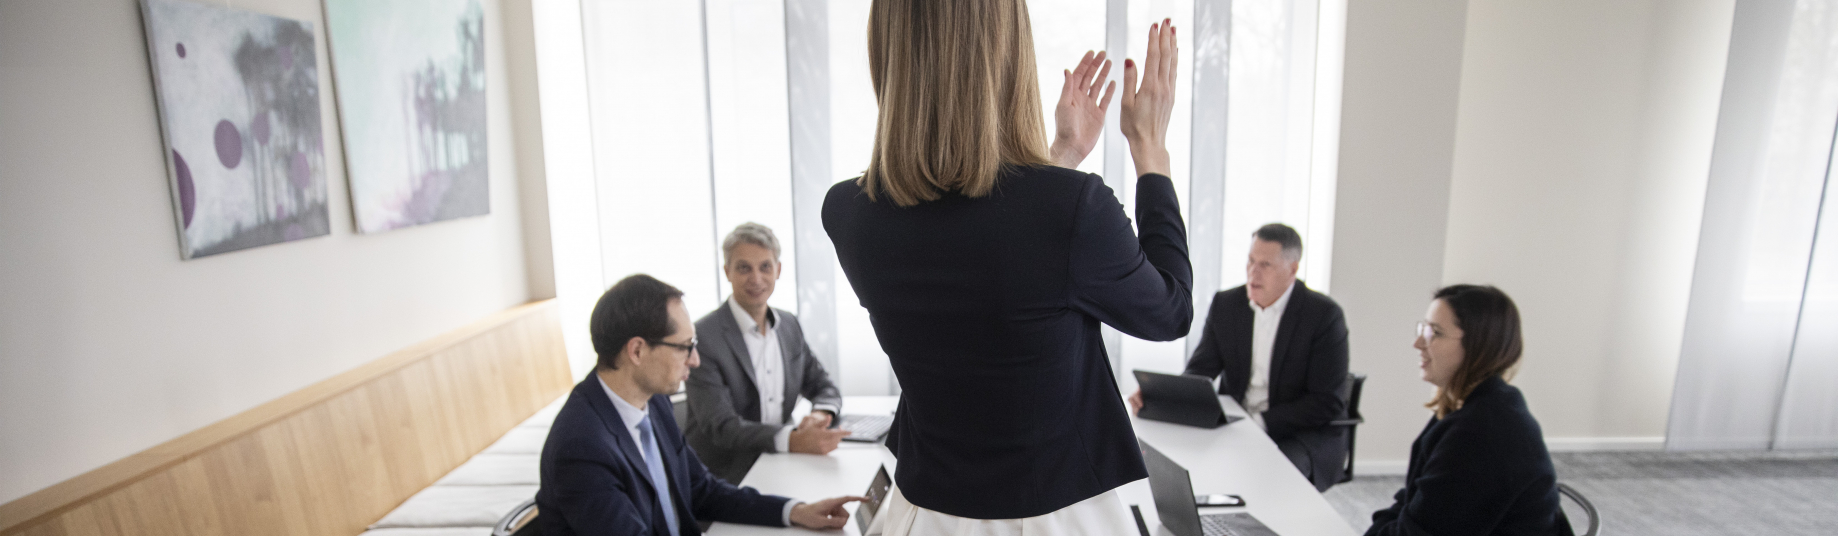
x=768, y=357
x=1264, y=325
x=629, y=416
x=768, y=362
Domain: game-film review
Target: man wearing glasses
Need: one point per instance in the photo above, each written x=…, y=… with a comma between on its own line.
x=615, y=461
x=1282, y=349
x=758, y=364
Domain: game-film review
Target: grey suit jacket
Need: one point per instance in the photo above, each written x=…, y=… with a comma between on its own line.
x=724, y=407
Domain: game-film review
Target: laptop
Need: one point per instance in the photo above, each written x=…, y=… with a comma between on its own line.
x=1174, y=503
x=864, y=428
x=1181, y=399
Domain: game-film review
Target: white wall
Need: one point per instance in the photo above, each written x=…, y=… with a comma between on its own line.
x=109, y=344
x=1397, y=140
x=1582, y=152
x=1574, y=180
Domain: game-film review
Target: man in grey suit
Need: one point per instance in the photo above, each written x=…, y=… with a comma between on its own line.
x=755, y=364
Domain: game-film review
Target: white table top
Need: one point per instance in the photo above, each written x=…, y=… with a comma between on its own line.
x=1237, y=459
x=809, y=477
x=1240, y=460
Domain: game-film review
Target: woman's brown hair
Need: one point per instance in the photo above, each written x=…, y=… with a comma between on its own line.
x=958, y=94
x=1491, y=342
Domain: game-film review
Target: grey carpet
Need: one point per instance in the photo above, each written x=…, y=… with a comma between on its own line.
x=1670, y=493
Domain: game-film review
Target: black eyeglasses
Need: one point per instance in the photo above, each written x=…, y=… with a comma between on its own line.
x=689, y=347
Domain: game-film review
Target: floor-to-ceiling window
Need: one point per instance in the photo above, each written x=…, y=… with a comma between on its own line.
x=708, y=114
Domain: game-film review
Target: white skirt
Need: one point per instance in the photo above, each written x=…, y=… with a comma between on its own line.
x=1103, y=515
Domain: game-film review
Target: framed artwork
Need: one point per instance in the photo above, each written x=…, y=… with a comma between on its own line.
x=411, y=97
x=238, y=99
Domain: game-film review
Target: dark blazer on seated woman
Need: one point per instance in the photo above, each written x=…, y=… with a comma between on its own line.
x=1481, y=470
x=594, y=480
x=989, y=308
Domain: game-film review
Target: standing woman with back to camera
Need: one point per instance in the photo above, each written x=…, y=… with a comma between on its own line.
x=987, y=265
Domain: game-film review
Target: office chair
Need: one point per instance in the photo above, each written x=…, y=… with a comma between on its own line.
x=679, y=405
x=1355, y=384
x=1595, y=520
x=520, y=522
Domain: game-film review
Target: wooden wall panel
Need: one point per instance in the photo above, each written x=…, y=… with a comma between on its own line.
x=328, y=459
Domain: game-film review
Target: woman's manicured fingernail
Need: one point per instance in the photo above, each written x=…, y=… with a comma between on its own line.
x=1129, y=63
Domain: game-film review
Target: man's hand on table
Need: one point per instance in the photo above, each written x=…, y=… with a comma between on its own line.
x=823, y=515
x=814, y=436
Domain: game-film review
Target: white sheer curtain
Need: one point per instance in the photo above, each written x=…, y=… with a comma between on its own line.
x=751, y=128
x=650, y=137
x=1809, y=407
x=1754, y=271
x=1274, y=172
x=865, y=370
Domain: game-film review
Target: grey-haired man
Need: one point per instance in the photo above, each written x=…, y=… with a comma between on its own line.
x=755, y=365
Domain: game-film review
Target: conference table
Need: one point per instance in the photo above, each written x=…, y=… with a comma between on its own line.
x=1237, y=459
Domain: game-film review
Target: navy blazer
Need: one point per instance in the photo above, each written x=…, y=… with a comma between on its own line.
x=1308, y=370
x=594, y=481
x=989, y=310
x=1481, y=470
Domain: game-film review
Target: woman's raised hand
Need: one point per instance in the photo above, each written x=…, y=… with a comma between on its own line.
x=1147, y=109
x=1079, y=117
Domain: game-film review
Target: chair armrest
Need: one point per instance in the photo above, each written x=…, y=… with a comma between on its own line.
x=1346, y=422
x=517, y=520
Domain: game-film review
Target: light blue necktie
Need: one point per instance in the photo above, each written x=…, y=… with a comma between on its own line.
x=654, y=463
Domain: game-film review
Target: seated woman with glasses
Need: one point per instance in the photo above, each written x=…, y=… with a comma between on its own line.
x=1480, y=466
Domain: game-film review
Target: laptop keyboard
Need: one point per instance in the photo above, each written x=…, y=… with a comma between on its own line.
x=1215, y=525
x=865, y=427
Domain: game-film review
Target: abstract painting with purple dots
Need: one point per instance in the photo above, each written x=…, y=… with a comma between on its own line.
x=411, y=96
x=239, y=105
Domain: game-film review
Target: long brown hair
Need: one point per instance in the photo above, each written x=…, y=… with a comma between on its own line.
x=1491, y=341
x=959, y=97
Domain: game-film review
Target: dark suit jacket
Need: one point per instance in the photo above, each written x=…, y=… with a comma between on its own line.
x=724, y=412
x=1482, y=470
x=594, y=480
x=989, y=309
x=1308, y=370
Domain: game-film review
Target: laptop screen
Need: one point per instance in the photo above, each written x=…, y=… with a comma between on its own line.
x=877, y=492
x=1173, y=492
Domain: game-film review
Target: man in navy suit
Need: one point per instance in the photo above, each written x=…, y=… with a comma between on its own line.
x=615, y=462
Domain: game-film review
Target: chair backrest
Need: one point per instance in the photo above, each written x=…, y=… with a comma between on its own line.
x=1356, y=383
x=1594, y=524
x=521, y=521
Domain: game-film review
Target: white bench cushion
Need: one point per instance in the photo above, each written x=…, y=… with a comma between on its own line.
x=520, y=440
x=488, y=469
x=457, y=506
x=442, y=531
x=545, y=416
